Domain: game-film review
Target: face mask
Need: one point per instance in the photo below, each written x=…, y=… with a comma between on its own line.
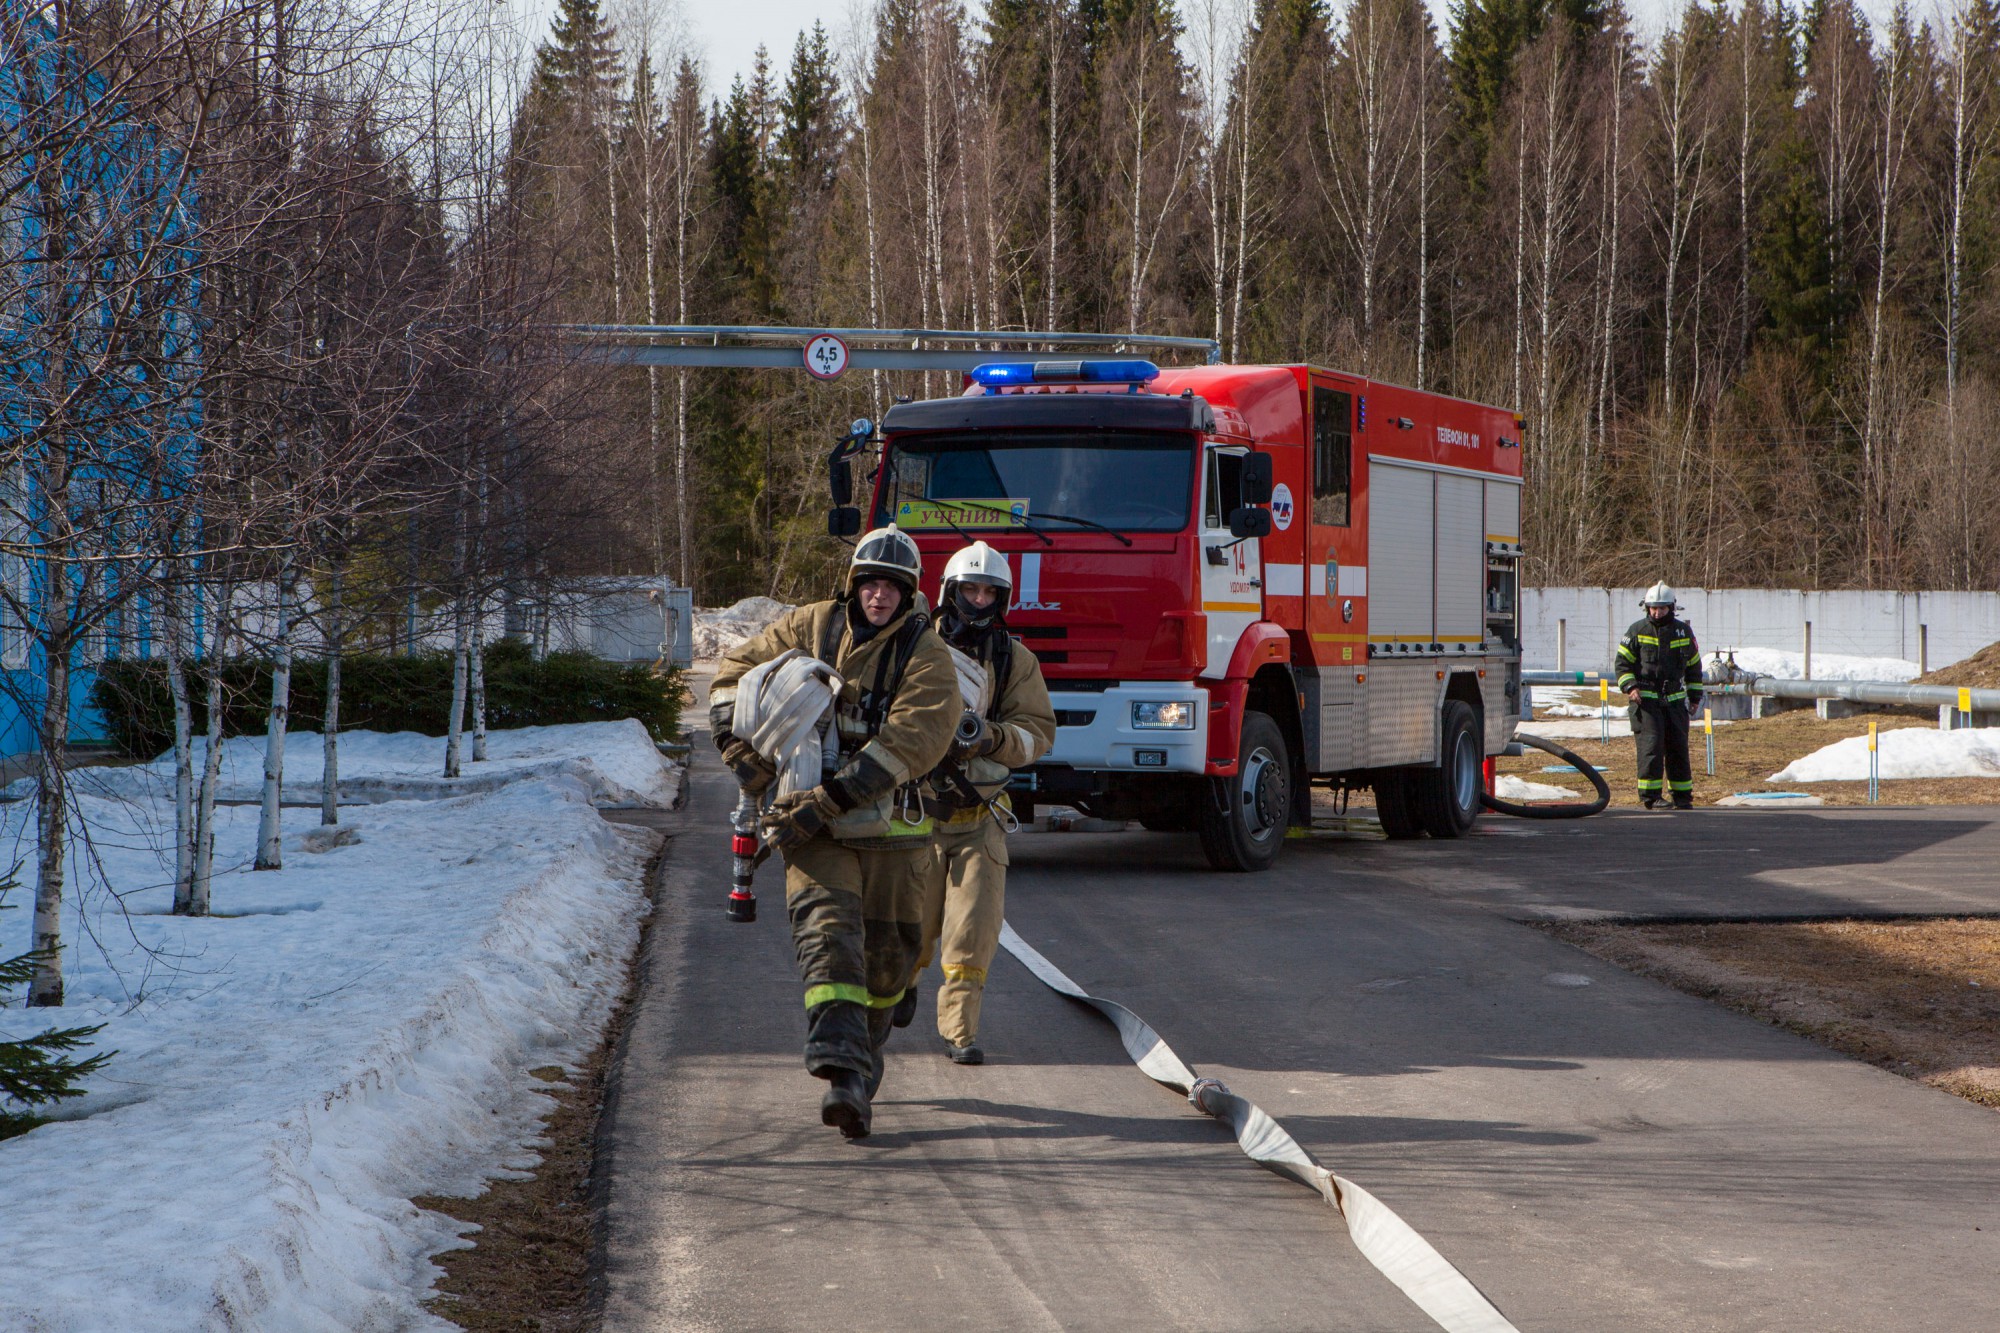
x=977, y=617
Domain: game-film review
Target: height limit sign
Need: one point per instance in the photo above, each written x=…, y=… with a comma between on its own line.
x=826, y=357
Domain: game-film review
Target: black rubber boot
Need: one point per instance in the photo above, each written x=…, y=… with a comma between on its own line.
x=845, y=1105
x=1683, y=802
x=906, y=1008
x=967, y=1055
x=874, y=1080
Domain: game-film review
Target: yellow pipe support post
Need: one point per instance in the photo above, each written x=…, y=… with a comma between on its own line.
x=1708, y=731
x=1874, y=765
x=1604, y=711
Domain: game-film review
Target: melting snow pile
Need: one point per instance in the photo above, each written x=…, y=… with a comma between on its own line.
x=1825, y=666
x=616, y=762
x=1510, y=788
x=344, y=1034
x=1907, y=752
x=717, y=631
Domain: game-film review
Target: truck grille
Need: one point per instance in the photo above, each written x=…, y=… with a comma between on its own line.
x=1075, y=717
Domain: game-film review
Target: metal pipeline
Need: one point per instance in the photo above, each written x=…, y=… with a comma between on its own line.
x=1866, y=692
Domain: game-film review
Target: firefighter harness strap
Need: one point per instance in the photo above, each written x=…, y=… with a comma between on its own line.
x=1384, y=1239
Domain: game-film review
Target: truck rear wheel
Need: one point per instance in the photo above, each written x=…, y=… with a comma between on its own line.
x=1243, y=818
x=1446, y=798
x=1393, y=806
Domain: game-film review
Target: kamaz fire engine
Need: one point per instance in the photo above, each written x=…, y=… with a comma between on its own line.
x=1241, y=581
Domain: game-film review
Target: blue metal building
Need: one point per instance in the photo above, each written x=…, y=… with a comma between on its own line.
x=99, y=406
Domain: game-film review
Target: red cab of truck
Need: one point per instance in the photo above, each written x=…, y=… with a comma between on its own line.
x=1241, y=582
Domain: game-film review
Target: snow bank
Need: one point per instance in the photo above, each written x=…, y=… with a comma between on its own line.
x=1510, y=788
x=1907, y=752
x=616, y=762
x=345, y=1034
x=1825, y=666
x=717, y=631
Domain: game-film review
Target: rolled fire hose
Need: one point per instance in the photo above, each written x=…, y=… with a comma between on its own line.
x=1553, y=809
x=1384, y=1239
x=781, y=706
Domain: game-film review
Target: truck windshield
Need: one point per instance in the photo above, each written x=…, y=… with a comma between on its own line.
x=1126, y=481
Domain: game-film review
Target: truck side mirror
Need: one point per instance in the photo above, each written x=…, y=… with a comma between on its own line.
x=843, y=521
x=840, y=480
x=1248, y=522
x=1255, y=485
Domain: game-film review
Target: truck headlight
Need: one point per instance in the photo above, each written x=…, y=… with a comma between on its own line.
x=1170, y=715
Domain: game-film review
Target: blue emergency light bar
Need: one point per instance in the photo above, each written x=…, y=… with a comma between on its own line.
x=996, y=375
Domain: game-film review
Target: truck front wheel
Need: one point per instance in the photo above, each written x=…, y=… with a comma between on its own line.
x=1243, y=817
x=1446, y=798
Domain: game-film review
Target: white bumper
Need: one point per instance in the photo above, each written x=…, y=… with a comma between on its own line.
x=1107, y=740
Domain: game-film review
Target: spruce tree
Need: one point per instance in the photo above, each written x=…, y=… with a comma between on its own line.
x=38, y=1070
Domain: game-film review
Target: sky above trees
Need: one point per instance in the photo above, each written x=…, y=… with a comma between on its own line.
x=727, y=35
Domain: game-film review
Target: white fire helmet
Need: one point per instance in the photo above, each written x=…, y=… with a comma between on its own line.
x=886, y=553
x=977, y=563
x=1659, y=595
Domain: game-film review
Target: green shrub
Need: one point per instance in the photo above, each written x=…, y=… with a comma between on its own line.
x=385, y=693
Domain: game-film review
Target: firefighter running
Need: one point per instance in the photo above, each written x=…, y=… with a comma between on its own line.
x=857, y=846
x=1008, y=724
x=1659, y=668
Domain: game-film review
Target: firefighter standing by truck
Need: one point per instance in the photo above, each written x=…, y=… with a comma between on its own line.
x=1659, y=668
x=857, y=847
x=1008, y=724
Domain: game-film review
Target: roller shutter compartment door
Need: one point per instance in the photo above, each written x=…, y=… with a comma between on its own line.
x=1460, y=566
x=1503, y=511
x=1400, y=553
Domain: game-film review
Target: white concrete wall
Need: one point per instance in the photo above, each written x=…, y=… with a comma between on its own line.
x=1860, y=623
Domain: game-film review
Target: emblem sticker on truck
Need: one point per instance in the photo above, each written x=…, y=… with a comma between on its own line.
x=1281, y=507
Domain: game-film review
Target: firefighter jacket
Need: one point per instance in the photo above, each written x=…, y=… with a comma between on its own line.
x=897, y=710
x=1662, y=660
x=1023, y=719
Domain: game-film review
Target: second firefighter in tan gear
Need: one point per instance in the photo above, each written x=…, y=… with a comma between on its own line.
x=1008, y=723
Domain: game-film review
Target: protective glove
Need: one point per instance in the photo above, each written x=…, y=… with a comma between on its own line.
x=1694, y=702
x=754, y=773
x=802, y=816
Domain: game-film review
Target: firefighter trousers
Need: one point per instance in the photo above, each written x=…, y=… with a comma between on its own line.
x=857, y=922
x=964, y=903
x=1661, y=732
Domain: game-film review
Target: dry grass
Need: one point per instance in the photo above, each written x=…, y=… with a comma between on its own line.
x=1747, y=753
x=1918, y=998
x=1981, y=671
x=529, y=1267
x=531, y=1263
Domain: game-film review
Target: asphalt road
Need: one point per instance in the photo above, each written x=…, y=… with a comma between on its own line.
x=1594, y=1150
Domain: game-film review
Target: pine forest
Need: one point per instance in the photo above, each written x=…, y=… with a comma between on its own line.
x=1739, y=280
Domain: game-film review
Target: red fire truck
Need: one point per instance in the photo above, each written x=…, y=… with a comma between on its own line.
x=1241, y=582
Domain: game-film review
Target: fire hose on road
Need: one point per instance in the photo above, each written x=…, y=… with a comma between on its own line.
x=1384, y=1239
x=1553, y=809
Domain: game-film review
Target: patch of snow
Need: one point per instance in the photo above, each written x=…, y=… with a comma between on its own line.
x=1907, y=752
x=717, y=630
x=1510, y=788
x=341, y=1036
x=1825, y=666
x=617, y=763
x=1771, y=798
